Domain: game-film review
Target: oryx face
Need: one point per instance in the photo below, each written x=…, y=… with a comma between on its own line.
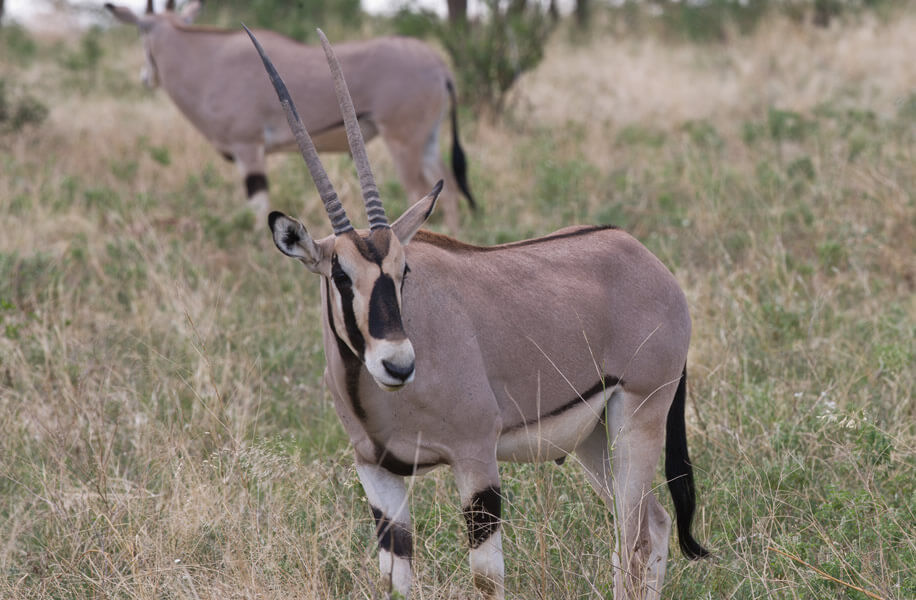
x=367, y=274
x=146, y=23
x=363, y=276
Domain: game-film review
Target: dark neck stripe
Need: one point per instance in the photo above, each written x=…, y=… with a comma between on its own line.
x=607, y=382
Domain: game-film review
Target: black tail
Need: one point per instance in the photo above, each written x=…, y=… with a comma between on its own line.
x=459, y=163
x=679, y=472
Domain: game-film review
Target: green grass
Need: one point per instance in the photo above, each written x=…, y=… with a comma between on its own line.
x=164, y=428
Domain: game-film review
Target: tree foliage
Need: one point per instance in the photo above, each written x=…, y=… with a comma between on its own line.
x=491, y=52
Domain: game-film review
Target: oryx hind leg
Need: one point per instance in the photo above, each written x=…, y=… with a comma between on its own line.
x=620, y=459
x=387, y=496
x=420, y=166
x=478, y=488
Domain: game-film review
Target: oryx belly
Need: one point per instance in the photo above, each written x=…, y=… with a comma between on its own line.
x=554, y=435
x=329, y=139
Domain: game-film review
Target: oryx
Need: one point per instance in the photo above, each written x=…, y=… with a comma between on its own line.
x=443, y=353
x=401, y=89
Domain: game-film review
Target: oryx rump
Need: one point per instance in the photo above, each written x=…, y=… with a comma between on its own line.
x=402, y=91
x=443, y=353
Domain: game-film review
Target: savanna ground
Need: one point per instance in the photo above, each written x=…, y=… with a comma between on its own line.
x=164, y=432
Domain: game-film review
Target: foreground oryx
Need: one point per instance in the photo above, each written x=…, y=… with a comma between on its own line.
x=439, y=352
x=401, y=90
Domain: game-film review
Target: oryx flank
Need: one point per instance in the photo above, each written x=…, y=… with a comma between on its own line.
x=443, y=353
x=401, y=90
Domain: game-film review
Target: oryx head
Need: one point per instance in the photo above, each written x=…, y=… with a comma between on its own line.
x=147, y=22
x=364, y=271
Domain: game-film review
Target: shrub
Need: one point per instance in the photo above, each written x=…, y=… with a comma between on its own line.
x=297, y=20
x=18, y=109
x=489, y=54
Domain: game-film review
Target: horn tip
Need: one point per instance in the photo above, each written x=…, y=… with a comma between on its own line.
x=437, y=189
x=324, y=39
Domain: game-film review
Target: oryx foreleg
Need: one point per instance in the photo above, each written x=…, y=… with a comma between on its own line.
x=478, y=488
x=387, y=497
x=249, y=158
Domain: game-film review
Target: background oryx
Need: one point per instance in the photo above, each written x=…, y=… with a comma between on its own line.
x=401, y=90
x=439, y=352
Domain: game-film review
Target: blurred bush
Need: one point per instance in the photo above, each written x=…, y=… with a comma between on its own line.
x=89, y=53
x=16, y=43
x=294, y=18
x=18, y=109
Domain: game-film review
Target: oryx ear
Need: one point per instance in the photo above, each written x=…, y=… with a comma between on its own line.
x=190, y=11
x=126, y=15
x=414, y=217
x=122, y=13
x=292, y=239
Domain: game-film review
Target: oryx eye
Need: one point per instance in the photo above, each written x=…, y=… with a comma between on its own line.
x=404, y=276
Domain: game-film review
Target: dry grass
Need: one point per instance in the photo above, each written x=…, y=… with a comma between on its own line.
x=786, y=64
x=164, y=428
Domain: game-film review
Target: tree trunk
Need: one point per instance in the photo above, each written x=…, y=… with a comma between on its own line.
x=458, y=12
x=517, y=7
x=582, y=12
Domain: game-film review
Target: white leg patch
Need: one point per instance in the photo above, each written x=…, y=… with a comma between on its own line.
x=388, y=495
x=396, y=570
x=487, y=567
x=260, y=204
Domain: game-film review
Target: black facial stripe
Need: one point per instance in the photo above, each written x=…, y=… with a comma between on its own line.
x=339, y=276
x=384, y=312
x=482, y=515
x=352, y=364
x=345, y=290
x=607, y=382
x=254, y=183
x=392, y=536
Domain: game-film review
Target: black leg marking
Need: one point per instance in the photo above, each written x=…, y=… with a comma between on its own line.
x=482, y=516
x=254, y=183
x=392, y=536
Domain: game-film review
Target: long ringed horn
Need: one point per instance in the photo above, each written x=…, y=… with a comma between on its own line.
x=149, y=7
x=374, y=209
x=339, y=220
